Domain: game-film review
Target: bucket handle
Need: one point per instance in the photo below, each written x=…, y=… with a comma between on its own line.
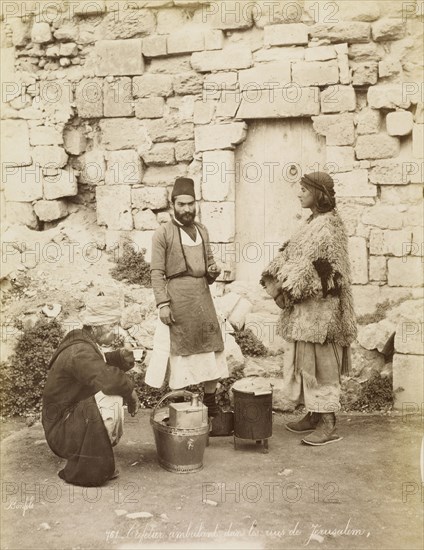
x=178, y=393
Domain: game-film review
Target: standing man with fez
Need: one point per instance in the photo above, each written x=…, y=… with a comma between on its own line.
x=182, y=268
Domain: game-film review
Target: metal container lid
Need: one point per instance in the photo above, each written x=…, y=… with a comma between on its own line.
x=253, y=385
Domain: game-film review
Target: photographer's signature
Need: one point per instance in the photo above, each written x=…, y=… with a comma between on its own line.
x=27, y=504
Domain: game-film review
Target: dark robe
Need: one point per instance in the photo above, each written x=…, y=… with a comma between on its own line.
x=72, y=422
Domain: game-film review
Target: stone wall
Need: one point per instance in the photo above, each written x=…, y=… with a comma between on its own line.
x=106, y=102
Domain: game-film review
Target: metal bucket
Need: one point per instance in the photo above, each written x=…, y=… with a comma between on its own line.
x=252, y=413
x=180, y=450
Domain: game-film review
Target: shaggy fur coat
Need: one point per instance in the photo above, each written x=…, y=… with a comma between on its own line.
x=312, y=277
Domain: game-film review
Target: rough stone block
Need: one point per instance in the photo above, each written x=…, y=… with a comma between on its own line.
x=418, y=141
x=160, y=153
x=239, y=315
x=390, y=66
x=409, y=337
x=15, y=147
x=228, y=105
x=163, y=217
x=377, y=146
x=338, y=99
x=407, y=271
x=368, y=121
x=341, y=159
x=279, y=55
x=414, y=216
x=321, y=11
x=399, y=123
x=290, y=101
x=154, y=46
x=145, y=220
x=181, y=107
x=188, y=83
x=49, y=211
x=153, y=198
x=391, y=96
x=67, y=31
x=315, y=73
x=354, y=184
x=220, y=136
x=41, y=32
x=225, y=304
x=374, y=336
x=394, y=243
x=345, y=76
x=64, y=184
x=171, y=65
x=215, y=83
x=385, y=217
x=74, y=141
x=411, y=194
x=286, y=35
x=68, y=49
x=163, y=175
x=114, y=206
x=388, y=29
x=419, y=113
x=378, y=268
x=365, y=74
x=283, y=11
x=219, y=218
x=151, y=107
x=270, y=76
x=186, y=40
x=230, y=58
x=45, y=135
x=204, y=111
x=366, y=52
x=408, y=382
x=214, y=40
x=343, y=31
x=388, y=172
x=89, y=98
x=170, y=19
x=119, y=57
x=123, y=133
x=86, y=7
x=123, y=167
x=23, y=184
x=184, y=151
x=338, y=129
x=218, y=179
x=92, y=167
x=142, y=240
x=56, y=101
x=358, y=255
x=117, y=97
x=21, y=213
x=320, y=53
x=231, y=14
x=20, y=30
x=52, y=156
x=152, y=85
x=169, y=129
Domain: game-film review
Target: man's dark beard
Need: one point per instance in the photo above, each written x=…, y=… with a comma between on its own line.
x=185, y=219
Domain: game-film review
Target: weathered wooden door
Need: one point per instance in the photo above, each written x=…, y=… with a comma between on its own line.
x=269, y=165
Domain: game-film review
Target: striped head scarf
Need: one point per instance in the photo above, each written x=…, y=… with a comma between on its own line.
x=322, y=187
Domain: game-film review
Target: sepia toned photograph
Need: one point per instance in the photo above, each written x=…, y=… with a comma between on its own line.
x=212, y=274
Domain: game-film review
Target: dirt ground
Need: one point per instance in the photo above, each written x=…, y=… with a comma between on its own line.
x=363, y=492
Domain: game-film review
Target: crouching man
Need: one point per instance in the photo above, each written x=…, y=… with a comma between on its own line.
x=83, y=397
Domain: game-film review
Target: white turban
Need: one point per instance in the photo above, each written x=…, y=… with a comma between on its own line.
x=101, y=310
